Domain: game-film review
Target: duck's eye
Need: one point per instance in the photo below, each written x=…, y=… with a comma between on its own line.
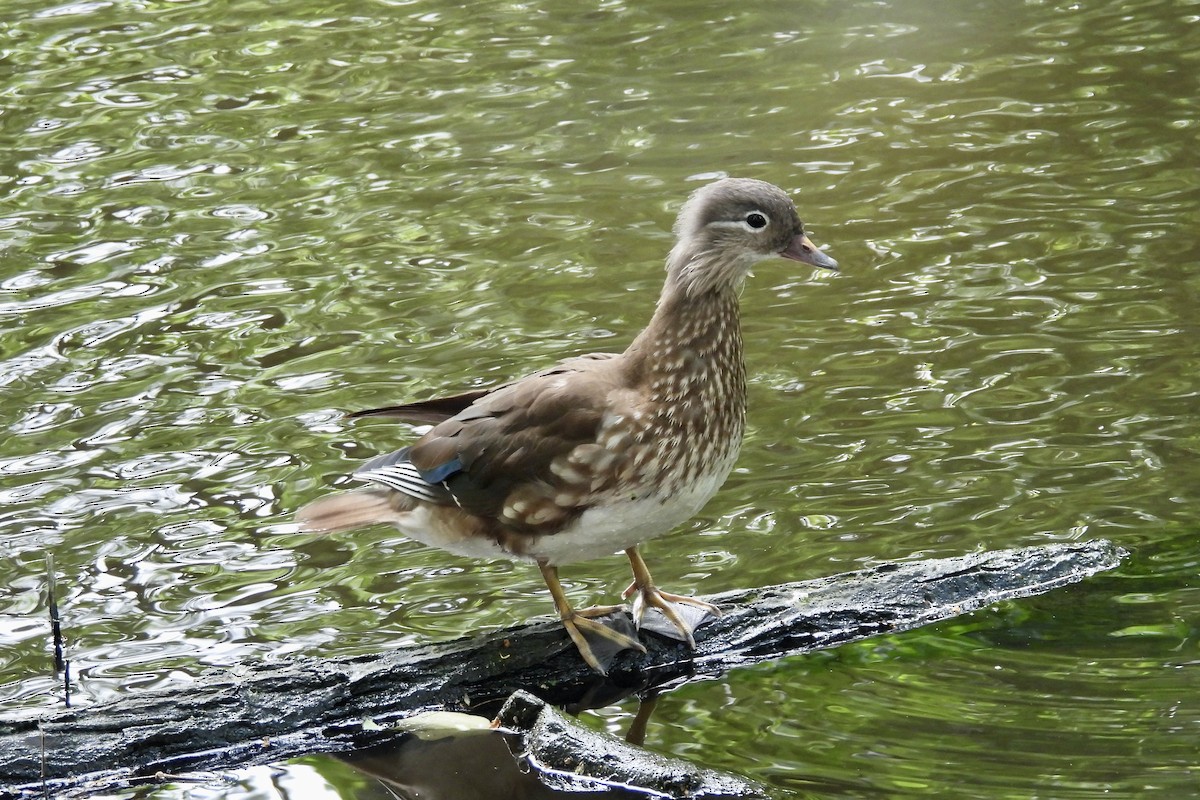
x=756, y=220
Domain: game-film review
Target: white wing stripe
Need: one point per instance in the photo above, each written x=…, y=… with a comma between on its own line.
x=405, y=479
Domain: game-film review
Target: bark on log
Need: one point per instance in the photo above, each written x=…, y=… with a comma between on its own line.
x=261, y=713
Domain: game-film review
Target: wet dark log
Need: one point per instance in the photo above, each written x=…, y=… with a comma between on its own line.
x=260, y=713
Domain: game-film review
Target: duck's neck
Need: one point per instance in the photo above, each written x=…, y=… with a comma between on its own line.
x=690, y=355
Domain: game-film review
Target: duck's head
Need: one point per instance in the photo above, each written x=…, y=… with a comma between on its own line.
x=727, y=227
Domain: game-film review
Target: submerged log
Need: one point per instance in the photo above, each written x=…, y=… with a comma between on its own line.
x=259, y=713
x=533, y=752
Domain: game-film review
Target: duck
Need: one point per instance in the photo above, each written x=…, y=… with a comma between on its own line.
x=601, y=452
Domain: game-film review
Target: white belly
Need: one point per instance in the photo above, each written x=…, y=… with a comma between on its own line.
x=615, y=527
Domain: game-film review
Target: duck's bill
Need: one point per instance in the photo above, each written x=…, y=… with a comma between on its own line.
x=803, y=250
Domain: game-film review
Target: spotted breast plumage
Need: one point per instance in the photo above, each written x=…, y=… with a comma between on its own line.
x=600, y=452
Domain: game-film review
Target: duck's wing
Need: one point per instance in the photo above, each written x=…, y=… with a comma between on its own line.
x=528, y=456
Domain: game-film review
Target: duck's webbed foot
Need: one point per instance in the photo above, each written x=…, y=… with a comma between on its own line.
x=678, y=615
x=598, y=641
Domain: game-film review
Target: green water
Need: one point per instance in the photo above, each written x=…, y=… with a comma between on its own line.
x=223, y=224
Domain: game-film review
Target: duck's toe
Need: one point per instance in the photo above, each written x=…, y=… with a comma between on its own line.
x=672, y=615
x=601, y=633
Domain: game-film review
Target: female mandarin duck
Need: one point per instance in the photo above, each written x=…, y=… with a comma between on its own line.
x=599, y=452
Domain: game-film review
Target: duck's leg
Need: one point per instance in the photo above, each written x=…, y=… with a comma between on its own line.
x=650, y=596
x=597, y=642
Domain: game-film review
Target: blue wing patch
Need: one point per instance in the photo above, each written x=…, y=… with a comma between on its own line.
x=442, y=471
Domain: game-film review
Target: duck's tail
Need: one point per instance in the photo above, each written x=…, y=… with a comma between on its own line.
x=341, y=512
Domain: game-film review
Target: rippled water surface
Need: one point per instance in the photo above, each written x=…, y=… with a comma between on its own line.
x=224, y=224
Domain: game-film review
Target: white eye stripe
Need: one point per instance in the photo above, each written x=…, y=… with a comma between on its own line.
x=754, y=222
